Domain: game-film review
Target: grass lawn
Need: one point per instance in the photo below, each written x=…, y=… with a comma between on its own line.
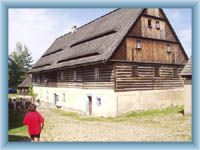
x=17, y=131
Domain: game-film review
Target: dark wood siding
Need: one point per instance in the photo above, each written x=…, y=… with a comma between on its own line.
x=85, y=78
x=169, y=34
x=145, y=79
x=120, y=53
x=137, y=28
x=154, y=51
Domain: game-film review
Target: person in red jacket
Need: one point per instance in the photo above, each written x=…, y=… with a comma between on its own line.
x=35, y=123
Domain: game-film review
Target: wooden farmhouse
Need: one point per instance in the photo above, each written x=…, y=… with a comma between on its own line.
x=126, y=60
x=24, y=86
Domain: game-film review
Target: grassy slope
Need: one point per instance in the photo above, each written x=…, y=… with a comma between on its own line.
x=125, y=117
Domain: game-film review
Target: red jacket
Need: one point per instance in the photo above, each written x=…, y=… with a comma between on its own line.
x=34, y=121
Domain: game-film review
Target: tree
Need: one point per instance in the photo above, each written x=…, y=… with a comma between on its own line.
x=20, y=61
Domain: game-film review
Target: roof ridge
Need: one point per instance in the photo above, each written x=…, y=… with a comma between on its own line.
x=90, y=22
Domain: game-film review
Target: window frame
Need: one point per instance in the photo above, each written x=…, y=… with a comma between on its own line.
x=149, y=23
x=96, y=73
x=63, y=97
x=175, y=72
x=169, y=49
x=157, y=25
x=157, y=71
x=62, y=75
x=74, y=75
x=99, y=101
x=134, y=72
x=138, y=44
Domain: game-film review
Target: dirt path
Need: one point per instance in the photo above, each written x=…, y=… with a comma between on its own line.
x=166, y=128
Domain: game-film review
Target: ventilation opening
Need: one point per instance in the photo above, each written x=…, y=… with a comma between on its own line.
x=93, y=38
x=52, y=52
x=78, y=57
x=41, y=66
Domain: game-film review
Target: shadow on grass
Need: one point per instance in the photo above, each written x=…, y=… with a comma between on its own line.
x=17, y=138
x=15, y=119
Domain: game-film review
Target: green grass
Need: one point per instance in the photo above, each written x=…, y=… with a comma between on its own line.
x=125, y=117
x=17, y=131
x=165, y=111
x=66, y=113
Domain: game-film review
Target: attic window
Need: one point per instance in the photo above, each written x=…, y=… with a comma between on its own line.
x=58, y=50
x=149, y=23
x=78, y=57
x=169, y=49
x=93, y=38
x=138, y=44
x=157, y=25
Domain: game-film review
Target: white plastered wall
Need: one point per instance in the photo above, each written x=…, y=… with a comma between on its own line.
x=112, y=103
x=150, y=99
x=77, y=99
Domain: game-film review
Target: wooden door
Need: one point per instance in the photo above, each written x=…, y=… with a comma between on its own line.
x=90, y=105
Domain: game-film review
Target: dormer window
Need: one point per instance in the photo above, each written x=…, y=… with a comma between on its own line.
x=169, y=49
x=149, y=23
x=138, y=44
x=157, y=25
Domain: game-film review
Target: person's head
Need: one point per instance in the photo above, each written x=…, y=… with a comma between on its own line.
x=32, y=107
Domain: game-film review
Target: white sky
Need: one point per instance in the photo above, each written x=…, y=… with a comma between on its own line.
x=38, y=28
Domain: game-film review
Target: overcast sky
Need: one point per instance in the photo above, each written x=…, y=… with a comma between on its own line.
x=38, y=28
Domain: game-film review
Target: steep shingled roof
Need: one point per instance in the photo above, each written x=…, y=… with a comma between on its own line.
x=26, y=83
x=187, y=70
x=99, y=37
x=93, y=42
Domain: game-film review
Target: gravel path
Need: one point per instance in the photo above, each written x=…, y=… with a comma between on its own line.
x=61, y=128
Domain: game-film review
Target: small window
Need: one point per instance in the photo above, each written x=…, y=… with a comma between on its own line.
x=62, y=75
x=38, y=78
x=175, y=72
x=98, y=101
x=74, y=75
x=134, y=71
x=96, y=73
x=138, y=44
x=63, y=98
x=169, y=49
x=157, y=72
x=157, y=25
x=149, y=23
x=47, y=95
x=34, y=78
